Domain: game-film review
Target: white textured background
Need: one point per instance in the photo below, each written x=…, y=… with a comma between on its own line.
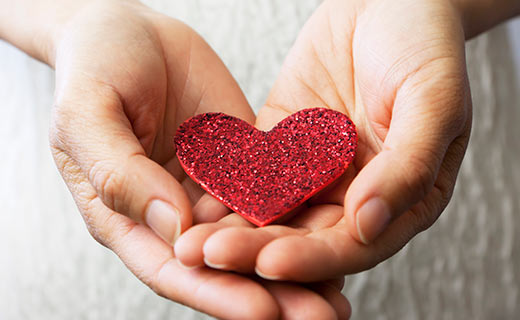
x=467, y=266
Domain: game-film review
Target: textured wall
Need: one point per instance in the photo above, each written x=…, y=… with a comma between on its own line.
x=465, y=267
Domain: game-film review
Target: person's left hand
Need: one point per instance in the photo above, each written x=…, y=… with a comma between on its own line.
x=397, y=68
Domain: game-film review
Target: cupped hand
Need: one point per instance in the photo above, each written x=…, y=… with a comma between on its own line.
x=126, y=77
x=397, y=68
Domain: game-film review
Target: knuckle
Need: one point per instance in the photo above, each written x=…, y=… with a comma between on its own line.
x=454, y=103
x=106, y=226
x=427, y=219
x=108, y=183
x=421, y=173
x=60, y=123
x=88, y=213
x=444, y=88
x=446, y=192
x=428, y=211
x=445, y=186
x=99, y=233
x=425, y=216
x=456, y=117
x=98, y=236
x=158, y=290
x=153, y=281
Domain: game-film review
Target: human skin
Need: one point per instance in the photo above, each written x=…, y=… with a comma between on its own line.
x=398, y=69
x=126, y=77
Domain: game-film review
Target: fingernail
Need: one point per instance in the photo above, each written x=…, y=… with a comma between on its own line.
x=185, y=267
x=265, y=276
x=372, y=219
x=164, y=220
x=215, y=265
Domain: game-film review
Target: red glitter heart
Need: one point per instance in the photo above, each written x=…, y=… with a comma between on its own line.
x=264, y=175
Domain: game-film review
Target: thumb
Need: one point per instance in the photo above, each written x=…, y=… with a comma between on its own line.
x=428, y=115
x=91, y=132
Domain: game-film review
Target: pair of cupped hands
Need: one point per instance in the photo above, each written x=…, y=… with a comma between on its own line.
x=127, y=77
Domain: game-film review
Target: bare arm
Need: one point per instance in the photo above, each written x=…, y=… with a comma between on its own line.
x=480, y=15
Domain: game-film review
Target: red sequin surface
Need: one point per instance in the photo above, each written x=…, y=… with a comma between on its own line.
x=263, y=175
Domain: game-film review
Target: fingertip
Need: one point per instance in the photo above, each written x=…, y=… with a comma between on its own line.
x=235, y=248
x=184, y=253
x=219, y=248
x=186, y=267
x=216, y=266
x=351, y=224
x=296, y=258
x=267, y=276
x=272, y=261
x=151, y=195
x=188, y=248
x=335, y=298
x=371, y=199
x=372, y=219
x=300, y=303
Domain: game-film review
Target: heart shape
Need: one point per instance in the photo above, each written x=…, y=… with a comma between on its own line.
x=264, y=175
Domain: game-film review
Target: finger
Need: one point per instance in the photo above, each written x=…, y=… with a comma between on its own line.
x=236, y=248
x=337, y=283
x=297, y=303
x=298, y=258
x=90, y=127
x=334, y=297
x=302, y=258
x=317, y=217
x=189, y=247
x=206, y=290
x=430, y=111
x=221, y=294
x=208, y=209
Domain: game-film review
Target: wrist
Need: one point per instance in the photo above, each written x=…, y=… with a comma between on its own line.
x=481, y=15
x=34, y=26
x=37, y=26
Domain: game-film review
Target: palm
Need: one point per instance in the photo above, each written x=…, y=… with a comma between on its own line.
x=190, y=79
x=350, y=57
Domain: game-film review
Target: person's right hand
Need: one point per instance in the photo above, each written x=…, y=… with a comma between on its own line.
x=127, y=77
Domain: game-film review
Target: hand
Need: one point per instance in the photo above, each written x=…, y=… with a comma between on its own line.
x=126, y=78
x=397, y=68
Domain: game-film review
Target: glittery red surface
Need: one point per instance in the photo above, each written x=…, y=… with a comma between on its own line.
x=263, y=175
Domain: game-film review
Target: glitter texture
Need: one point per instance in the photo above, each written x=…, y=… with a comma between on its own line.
x=264, y=175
